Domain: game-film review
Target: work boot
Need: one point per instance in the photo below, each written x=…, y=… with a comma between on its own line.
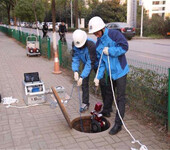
x=116, y=128
x=105, y=114
x=84, y=107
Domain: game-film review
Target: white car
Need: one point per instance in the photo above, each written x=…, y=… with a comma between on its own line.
x=50, y=25
x=41, y=25
x=22, y=24
x=34, y=26
x=57, y=26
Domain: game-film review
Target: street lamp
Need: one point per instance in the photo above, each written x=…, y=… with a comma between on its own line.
x=71, y=4
x=141, y=28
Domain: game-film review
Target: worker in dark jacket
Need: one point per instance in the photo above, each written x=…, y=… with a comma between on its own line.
x=113, y=45
x=84, y=50
x=62, y=30
x=45, y=29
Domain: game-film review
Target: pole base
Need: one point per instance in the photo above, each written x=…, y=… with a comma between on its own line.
x=57, y=72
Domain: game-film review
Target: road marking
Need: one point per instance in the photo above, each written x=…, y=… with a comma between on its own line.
x=162, y=44
x=161, y=55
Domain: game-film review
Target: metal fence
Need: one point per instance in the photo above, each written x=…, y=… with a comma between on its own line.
x=147, y=88
x=147, y=84
x=149, y=66
x=147, y=91
x=65, y=55
x=45, y=48
x=44, y=43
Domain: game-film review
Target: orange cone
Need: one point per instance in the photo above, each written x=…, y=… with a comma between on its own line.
x=56, y=64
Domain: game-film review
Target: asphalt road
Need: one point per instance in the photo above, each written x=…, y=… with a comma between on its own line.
x=152, y=51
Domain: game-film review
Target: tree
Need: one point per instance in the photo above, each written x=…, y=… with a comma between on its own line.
x=76, y=13
x=110, y=12
x=8, y=4
x=26, y=10
x=62, y=7
x=3, y=14
x=93, y=4
x=155, y=26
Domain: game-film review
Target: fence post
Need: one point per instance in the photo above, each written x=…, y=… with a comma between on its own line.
x=60, y=51
x=48, y=48
x=169, y=103
x=39, y=38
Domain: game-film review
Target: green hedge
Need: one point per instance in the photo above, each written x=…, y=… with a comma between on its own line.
x=147, y=90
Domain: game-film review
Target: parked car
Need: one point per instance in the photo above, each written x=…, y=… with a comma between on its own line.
x=28, y=25
x=123, y=27
x=22, y=24
x=57, y=26
x=41, y=25
x=34, y=26
x=50, y=25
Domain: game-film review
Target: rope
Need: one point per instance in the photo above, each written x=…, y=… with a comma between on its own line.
x=81, y=122
x=71, y=94
x=22, y=106
x=79, y=97
x=142, y=147
x=99, y=65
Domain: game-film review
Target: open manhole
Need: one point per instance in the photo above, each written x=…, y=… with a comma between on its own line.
x=87, y=124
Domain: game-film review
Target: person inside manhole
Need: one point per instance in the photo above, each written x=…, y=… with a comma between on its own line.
x=113, y=45
x=84, y=50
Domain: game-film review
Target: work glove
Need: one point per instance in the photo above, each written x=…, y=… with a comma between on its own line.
x=96, y=81
x=79, y=82
x=76, y=76
x=105, y=51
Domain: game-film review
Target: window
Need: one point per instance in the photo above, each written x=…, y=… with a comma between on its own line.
x=155, y=3
x=156, y=9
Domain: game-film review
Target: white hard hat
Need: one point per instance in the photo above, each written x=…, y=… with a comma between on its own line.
x=79, y=38
x=96, y=24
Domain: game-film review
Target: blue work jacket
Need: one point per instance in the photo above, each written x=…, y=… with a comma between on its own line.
x=87, y=55
x=118, y=46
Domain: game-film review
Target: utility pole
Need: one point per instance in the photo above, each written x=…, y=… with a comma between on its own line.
x=71, y=4
x=141, y=28
x=34, y=3
x=131, y=12
x=76, y=13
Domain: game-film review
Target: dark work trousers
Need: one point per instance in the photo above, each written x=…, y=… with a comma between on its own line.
x=44, y=33
x=85, y=89
x=119, y=86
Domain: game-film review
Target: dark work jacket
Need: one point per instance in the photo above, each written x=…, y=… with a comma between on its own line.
x=45, y=28
x=117, y=47
x=62, y=28
x=87, y=55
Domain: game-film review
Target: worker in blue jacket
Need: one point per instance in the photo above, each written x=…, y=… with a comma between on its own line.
x=111, y=43
x=84, y=50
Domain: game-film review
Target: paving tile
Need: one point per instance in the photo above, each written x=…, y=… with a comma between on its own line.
x=40, y=127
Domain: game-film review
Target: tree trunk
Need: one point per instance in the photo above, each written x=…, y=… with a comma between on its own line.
x=54, y=21
x=8, y=12
x=53, y=14
x=34, y=4
x=76, y=13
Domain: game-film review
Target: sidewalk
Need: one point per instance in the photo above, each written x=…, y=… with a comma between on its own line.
x=41, y=127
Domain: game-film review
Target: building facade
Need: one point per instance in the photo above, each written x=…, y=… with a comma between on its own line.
x=160, y=7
